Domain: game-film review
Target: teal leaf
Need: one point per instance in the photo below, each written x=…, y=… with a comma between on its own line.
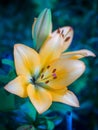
x=12, y=74
x=50, y=125
x=79, y=84
x=29, y=109
x=8, y=77
x=8, y=62
x=7, y=102
x=60, y=107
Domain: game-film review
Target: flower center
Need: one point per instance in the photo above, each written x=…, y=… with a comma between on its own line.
x=46, y=76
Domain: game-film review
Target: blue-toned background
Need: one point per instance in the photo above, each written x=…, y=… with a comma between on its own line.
x=16, y=18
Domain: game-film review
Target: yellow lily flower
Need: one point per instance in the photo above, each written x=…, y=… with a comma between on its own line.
x=44, y=76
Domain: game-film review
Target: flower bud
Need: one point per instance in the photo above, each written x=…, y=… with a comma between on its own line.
x=42, y=27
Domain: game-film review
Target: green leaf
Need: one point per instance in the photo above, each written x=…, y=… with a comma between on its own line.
x=6, y=78
x=29, y=109
x=79, y=84
x=26, y=127
x=8, y=62
x=12, y=74
x=50, y=125
x=7, y=102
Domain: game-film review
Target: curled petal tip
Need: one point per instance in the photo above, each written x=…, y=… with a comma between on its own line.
x=17, y=45
x=70, y=28
x=91, y=54
x=77, y=104
x=88, y=53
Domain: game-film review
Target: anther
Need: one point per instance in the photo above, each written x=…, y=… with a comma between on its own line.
x=55, y=77
x=62, y=31
x=42, y=69
x=42, y=76
x=53, y=70
x=63, y=35
x=58, y=31
x=47, y=81
x=48, y=66
x=67, y=39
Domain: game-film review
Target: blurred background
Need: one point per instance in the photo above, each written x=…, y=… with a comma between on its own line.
x=16, y=18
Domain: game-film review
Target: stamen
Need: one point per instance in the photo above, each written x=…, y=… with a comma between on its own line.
x=62, y=31
x=53, y=70
x=42, y=69
x=58, y=31
x=63, y=35
x=48, y=66
x=47, y=81
x=67, y=39
x=42, y=76
x=54, y=77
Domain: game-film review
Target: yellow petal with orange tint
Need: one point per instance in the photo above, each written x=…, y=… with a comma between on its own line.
x=78, y=54
x=63, y=72
x=25, y=60
x=39, y=97
x=68, y=98
x=55, y=44
x=18, y=86
x=51, y=49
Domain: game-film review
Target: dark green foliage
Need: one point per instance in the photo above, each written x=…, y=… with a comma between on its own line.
x=6, y=101
x=16, y=18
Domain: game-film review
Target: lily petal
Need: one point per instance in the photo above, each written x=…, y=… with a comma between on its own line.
x=18, y=86
x=78, y=54
x=67, y=36
x=39, y=97
x=25, y=60
x=68, y=98
x=63, y=72
x=51, y=49
x=56, y=44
